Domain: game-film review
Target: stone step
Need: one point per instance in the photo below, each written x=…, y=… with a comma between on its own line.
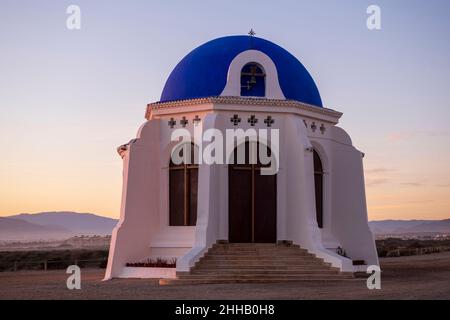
x=258, y=263
x=254, y=246
x=260, y=272
x=279, y=268
x=272, y=250
x=259, y=258
x=259, y=276
x=283, y=248
x=249, y=249
x=278, y=262
x=260, y=252
x=308, y=278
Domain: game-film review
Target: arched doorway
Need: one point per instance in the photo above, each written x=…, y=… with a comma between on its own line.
x=252, y=200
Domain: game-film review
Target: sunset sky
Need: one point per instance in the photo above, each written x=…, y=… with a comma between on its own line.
x=69, y=98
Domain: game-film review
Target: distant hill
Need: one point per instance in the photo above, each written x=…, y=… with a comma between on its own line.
x=409, y=226
x=63, y=225
x=54, y=225
x=16, y=229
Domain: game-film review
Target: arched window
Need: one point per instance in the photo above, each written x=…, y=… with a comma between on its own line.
x=318, y=182
x=253, y=80
x=183, y=186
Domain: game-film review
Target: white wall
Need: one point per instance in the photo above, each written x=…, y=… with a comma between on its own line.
x=349, y=220
x=140, y=198
x=207, y=230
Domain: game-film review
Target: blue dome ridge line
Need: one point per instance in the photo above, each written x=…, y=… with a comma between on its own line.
x=203, y=72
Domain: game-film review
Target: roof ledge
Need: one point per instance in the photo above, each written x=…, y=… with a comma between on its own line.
x=241, y=101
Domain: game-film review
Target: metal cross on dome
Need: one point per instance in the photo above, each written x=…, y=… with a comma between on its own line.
x=251, y=33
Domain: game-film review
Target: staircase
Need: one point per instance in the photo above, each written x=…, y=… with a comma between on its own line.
x=257, y=263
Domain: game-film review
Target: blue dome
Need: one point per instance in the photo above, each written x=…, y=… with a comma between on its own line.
x=203, y=72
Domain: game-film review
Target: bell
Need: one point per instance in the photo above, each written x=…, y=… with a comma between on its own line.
x=253, y=80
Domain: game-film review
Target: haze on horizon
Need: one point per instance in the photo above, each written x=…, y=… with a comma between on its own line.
x=69, y=98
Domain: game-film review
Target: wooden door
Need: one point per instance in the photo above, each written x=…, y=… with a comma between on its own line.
x=252, y=204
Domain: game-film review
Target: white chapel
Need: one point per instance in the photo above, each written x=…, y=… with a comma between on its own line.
x=300, y=215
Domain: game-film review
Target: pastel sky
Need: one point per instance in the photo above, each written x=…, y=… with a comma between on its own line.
x=69, y=98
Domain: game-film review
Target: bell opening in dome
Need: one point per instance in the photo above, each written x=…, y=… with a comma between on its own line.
x=253, y=80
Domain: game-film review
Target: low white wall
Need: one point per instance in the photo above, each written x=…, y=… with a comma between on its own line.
x=349, y=221
x=131, y=237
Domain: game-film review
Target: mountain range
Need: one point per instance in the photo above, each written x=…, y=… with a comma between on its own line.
x=63, y=225
x=54, y=225
x=409, y=226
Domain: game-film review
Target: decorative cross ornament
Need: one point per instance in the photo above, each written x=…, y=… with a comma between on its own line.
x=269, y=121
x=184, y=122
x=322, y=128
x=313, y=127
x=196, y=120
x=252, y=120
x=172, y=123
x=251, y=33
x=236, y=120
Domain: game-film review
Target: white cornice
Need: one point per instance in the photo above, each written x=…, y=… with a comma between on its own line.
x=227, y=100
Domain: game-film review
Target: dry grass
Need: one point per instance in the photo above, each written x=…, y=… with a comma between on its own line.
x=417, y=277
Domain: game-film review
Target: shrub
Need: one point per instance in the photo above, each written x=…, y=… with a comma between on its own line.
x=154, y=263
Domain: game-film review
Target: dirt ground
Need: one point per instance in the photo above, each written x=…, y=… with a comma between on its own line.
x=418, y=277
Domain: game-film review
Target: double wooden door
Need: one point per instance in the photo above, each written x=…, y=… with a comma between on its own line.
x=252, y=203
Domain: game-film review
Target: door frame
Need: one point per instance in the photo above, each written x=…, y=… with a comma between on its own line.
x=254, y=168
